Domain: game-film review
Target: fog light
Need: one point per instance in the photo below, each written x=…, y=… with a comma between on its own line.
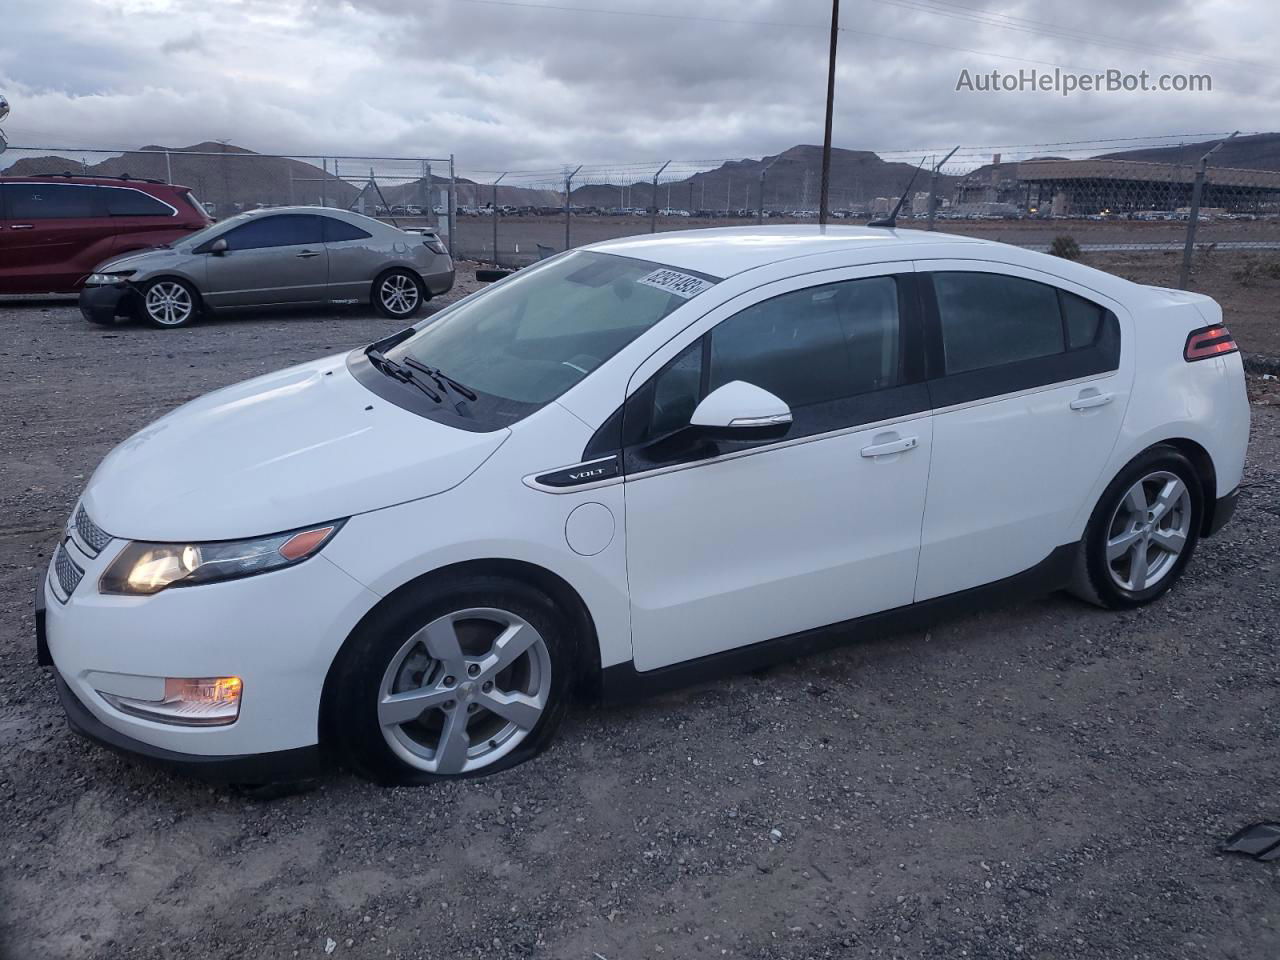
x=187, y=702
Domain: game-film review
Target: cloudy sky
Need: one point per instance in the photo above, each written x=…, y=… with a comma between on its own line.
x=534, y=84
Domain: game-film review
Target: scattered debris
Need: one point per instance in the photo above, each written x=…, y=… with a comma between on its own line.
x=1260, y=841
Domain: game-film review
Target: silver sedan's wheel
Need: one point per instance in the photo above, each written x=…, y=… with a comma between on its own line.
x=398, y=295
x=169, y=303
x=465, y=690
x=1149, y=531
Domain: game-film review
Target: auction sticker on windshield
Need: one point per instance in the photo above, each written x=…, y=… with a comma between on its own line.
x=673, y=281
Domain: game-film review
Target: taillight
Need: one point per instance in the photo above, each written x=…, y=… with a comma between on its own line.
x=434, y=245
x=1208, y=342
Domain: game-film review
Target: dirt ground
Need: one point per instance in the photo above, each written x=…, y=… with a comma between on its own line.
x=1041, y=781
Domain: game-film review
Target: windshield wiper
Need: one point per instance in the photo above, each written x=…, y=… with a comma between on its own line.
x=442, y=380
x=396, y=372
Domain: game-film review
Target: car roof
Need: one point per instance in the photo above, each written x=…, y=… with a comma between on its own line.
x=140, y=183
x=724, y=251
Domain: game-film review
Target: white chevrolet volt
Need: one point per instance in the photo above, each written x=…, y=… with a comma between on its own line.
x=636, y=464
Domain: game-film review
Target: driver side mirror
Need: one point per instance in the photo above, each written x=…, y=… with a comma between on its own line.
x=741, y=411
x=218, y=247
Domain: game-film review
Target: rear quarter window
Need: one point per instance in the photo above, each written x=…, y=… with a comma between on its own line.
x=127, y=202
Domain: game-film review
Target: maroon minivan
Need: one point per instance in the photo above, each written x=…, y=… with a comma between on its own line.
x=55, y=229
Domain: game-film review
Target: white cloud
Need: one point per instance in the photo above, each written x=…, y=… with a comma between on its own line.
x=510, y=86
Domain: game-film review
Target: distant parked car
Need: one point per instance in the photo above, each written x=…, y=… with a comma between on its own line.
x=288, y=255
x=54, y=229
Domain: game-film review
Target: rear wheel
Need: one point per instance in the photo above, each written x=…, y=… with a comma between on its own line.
x=398, y=294
x=169, y=303
x=464, y=679
x=1143, y=531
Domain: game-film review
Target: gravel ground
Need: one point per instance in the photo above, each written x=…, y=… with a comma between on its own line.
x=1046, y=780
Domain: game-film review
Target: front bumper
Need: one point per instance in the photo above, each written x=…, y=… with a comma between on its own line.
x=280, y=766
x=102, y=304
x=278, y=632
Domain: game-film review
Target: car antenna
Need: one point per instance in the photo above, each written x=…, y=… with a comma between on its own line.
x=892, y=219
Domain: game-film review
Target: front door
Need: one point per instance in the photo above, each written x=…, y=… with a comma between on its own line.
x=48, y=229
x=1029, y=393
x=275, y=258
x=734, y=543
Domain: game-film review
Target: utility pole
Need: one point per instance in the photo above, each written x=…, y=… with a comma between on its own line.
x=494, y=203
x=1184, y=276
x=831, y=99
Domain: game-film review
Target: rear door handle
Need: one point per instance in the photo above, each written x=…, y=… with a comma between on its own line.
x=22, y=226
x=308, y=253
x=1087, y=401
x=893, y=446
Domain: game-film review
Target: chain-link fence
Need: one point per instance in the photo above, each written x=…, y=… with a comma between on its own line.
x=1099, y=197
x=409, y=191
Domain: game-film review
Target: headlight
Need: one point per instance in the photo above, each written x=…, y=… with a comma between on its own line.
x=147, y=568
x=106, y=279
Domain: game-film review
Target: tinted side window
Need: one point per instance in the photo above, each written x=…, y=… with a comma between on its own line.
x=1083, y=319
x=282, y=230
x=990, y=319
x=49, y=201
x=336, y=231
x=122, y=202
x=814, y=345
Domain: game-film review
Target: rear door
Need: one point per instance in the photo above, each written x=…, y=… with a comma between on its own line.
x=137, y=218
x=1028, y=390
x=50, y=235
x=273, y=259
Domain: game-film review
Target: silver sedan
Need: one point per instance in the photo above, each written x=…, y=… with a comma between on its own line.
x=282, y=255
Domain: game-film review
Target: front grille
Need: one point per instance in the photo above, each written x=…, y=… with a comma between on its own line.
x=65, y=569
x=92, y=535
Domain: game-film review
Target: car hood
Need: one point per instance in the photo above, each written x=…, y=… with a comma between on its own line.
x=289, y=449
x=139, y=259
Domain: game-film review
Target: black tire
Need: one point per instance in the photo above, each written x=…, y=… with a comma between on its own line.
x=391, y=289
x=1095, y=580
x=185, y=303
x=356, y=683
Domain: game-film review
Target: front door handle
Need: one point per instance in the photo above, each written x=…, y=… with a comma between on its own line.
x=901, y=445
x=1090, y=399
x=22, y=226
x=308, y=253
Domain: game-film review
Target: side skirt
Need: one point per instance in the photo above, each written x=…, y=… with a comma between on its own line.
x=623, y=682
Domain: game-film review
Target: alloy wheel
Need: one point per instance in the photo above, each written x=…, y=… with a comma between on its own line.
x=1149, y=531
x=399, y=294
x=465, y=690
x=169, y=303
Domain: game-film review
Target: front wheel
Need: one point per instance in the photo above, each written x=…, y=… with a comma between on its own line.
x=463, y=679
x=169, y=303
x=1142, y=533
x=398, y=294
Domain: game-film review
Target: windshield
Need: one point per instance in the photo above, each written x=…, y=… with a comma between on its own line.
x=531, y=337
x=213, y=229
